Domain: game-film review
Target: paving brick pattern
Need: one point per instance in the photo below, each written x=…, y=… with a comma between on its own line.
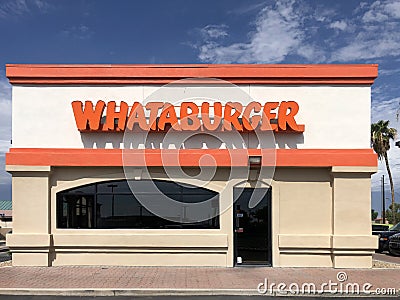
x=184, y=277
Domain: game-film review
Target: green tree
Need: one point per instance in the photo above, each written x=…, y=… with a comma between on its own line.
x=374, y=214
x=381, y=134
x=393, y=215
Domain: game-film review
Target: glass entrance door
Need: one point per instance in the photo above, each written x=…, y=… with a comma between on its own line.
x=252, y=226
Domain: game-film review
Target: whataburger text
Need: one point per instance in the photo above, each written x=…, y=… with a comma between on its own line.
x=276, y=116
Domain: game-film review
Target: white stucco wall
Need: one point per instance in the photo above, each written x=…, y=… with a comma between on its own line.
x=335, y=117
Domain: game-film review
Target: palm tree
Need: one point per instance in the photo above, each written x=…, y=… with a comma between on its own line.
x=381, y=134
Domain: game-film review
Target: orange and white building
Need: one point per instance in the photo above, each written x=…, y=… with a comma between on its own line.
x=97, y=150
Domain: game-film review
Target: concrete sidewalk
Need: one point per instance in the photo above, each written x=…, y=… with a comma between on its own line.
x=184, y=280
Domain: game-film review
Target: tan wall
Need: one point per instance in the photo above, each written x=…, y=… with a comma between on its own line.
x=30, y=240
x=324, y=217
x=303, y=206
x=320, y=217
x=352, y=243
x=171, y=247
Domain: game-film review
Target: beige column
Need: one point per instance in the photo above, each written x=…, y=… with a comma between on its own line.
x=352, y=240
x=30, y=239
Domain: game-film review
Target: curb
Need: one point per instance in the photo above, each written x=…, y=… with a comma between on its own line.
x=100, y=292
x=128, y=292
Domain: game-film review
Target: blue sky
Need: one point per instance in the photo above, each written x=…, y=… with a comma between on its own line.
x=185, y=31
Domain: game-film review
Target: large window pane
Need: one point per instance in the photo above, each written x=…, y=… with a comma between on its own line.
x=75, y=211
x=86, y=189
x=114, y=206
x=118, y=211
x=168, y=187
x=112, y=187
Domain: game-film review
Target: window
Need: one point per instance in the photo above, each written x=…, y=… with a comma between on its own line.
x=112, y=205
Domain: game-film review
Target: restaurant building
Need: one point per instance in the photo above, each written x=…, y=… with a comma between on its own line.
x=191, y=165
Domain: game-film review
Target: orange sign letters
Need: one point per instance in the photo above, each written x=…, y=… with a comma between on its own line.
x=276, y=116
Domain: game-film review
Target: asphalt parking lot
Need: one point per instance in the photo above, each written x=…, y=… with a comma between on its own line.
x=386, y=257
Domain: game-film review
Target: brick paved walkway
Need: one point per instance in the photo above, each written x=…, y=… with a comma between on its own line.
x=184, y=277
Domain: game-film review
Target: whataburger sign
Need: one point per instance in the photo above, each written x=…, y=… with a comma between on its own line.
x=275, y=116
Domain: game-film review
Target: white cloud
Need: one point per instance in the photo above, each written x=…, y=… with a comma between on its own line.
x=277, y=34
x=388, y=72
x=5, y=127
x=247, y=8
x=380, y=11
x=312, y=53
x=377, y=35
x=368, y=46
x=11, y=8
x=5, y=115
x=386, y=110
x=340, y=25
x=321, y=13
x=294, y=29
x=5, y=89
x=16, y=8
x=80, y=32
x=5, y=178
x=4, y=146
x=394, y=163
x=42, y=5
x=214, y=31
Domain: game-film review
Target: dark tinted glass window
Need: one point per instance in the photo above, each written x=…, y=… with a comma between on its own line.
x=167, y=187
x=113, y=187
x=75, y=211
x=113, y=205
x=86, y=189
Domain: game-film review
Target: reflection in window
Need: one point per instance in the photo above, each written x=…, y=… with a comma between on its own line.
x=112, y=205
x=77, y=211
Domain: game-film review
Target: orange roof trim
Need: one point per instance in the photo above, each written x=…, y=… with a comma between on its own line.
x=190, y=157
x=161, y=74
